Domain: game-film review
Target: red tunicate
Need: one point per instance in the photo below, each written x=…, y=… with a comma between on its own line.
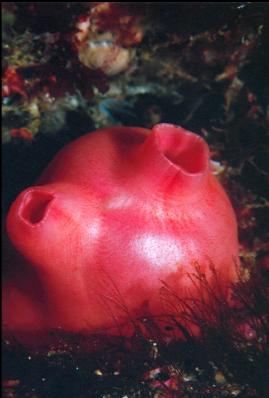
x=116, y=229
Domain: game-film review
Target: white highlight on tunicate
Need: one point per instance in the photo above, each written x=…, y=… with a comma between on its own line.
x=94, y=228
x=159, y=250
x=120, y=202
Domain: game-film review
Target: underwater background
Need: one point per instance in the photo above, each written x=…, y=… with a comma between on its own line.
x=70, y=68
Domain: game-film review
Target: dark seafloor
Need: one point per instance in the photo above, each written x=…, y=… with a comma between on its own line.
x=204, y=66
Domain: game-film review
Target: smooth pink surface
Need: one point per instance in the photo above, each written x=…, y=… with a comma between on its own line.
x=115, y=214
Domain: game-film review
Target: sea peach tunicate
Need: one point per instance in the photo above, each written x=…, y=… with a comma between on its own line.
x=119, y=216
